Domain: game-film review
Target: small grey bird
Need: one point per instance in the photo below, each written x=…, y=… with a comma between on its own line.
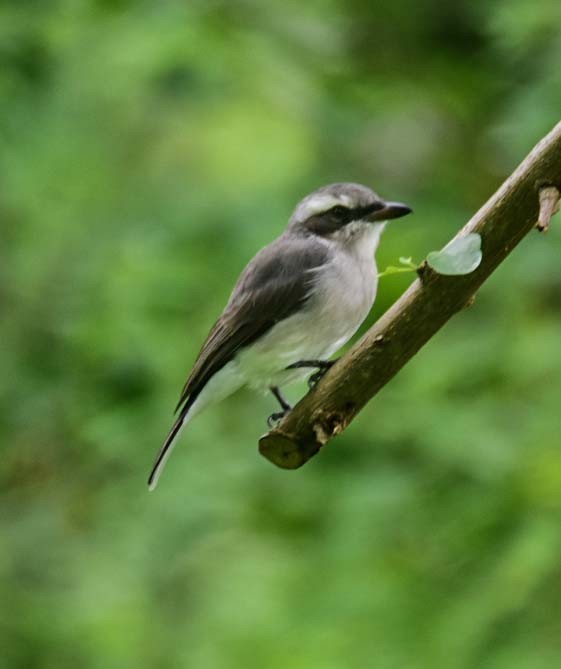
x=296, y=303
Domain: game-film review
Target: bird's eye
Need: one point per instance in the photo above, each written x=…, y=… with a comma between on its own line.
x=339, y=213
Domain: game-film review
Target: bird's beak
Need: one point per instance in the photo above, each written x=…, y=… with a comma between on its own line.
x=390, y=210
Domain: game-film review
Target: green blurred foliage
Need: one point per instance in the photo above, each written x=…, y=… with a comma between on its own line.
x=147, y=150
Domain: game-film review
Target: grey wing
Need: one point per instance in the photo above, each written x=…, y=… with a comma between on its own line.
x=274, y=285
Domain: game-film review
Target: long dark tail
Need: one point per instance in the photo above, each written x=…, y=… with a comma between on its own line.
x=167, y=447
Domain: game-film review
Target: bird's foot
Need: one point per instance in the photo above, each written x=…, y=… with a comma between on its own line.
x=314, y=379
x=321, y=365
x=275, y=418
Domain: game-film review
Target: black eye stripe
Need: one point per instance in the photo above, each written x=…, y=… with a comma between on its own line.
x=333, y=219
x=339, y=212
x=355, y=213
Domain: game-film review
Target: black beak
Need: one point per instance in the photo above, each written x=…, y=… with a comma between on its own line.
x=390, y=210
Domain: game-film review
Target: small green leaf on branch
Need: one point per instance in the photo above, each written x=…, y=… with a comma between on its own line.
x=462, y=256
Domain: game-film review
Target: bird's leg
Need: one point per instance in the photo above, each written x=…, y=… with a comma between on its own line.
x=275, y=417
x=321, y=365
x=281, y=398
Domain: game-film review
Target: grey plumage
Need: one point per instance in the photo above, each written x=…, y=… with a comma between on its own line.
x=301, y=297
x=272, y=287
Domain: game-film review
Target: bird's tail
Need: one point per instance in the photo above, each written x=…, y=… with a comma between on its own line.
x=217, y=388
x=167, y=447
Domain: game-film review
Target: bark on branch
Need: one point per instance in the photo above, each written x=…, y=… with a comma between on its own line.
x=511, y=213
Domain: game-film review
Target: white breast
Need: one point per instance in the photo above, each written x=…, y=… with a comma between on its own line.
x=343, y=294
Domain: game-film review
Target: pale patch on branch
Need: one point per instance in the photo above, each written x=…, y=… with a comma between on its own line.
x=549, y=205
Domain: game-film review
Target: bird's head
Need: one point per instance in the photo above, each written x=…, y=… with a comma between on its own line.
x=342, y=211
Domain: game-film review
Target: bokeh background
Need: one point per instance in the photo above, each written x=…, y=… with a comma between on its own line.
x=147, y=150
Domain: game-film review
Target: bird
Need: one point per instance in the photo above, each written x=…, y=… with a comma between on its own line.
x=296, y=303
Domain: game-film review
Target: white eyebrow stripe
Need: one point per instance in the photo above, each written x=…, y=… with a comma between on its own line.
x=323, y=202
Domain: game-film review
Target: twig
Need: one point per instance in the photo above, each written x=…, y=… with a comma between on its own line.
x=421, y=311
x=549, y=205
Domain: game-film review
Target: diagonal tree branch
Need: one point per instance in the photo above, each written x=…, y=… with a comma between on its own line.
x=510, y=214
